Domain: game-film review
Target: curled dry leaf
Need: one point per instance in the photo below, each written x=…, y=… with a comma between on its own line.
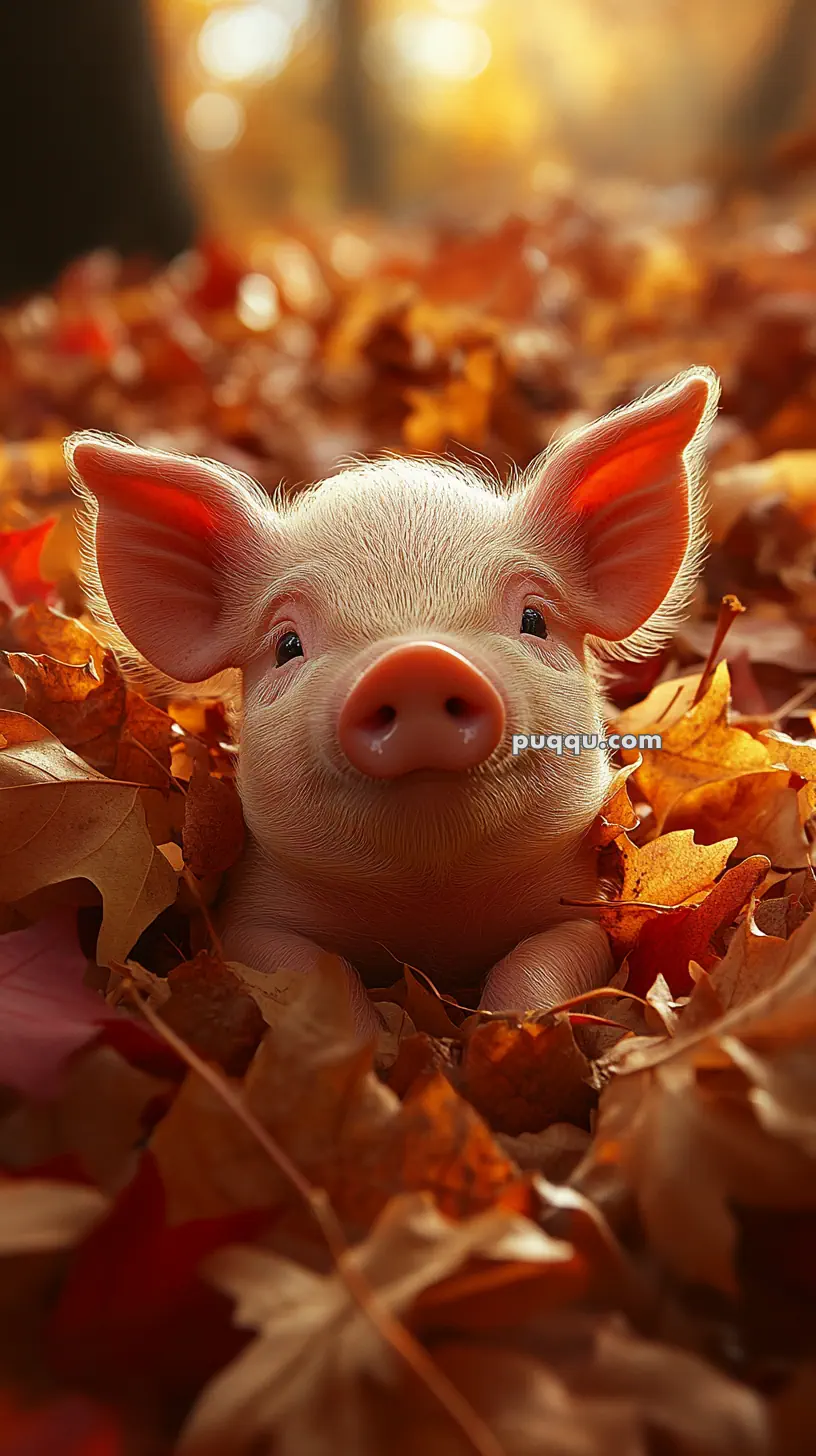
x=737, y=1096
x=524, y=1076
x=79, y=705
x=213, y=824
x=671, y=870
x=698, y=747
x=617, y=813
x=762, y=808
x=73, y=686
x=213, y=1013
x=64, y=821
x=668, y=943
x=311, y=1086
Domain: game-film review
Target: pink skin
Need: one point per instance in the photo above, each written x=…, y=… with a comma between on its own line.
x=420, y=706
x=388, y=820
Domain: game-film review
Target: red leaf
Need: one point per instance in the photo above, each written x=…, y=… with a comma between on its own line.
x=667, y=944
x=133, y=1295
x=20, y=552
x=47, y=1013
x=71, y=1425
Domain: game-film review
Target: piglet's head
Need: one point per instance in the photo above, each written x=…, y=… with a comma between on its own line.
x=394, y=626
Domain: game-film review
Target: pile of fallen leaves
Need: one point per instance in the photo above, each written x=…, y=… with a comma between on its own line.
x=225, y=1227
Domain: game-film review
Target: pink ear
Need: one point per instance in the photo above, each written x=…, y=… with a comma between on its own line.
x=621, y=499
x=165, y=529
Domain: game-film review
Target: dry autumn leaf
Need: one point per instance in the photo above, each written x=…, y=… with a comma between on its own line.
x=213, y=835
x=63, y=821
x=311, y=1087
x=671, y=870
x=738, y=1096
x=699, y=747
x=302, y=1381
x=523, y=1077
x=590, y=1380
x=37, y=1214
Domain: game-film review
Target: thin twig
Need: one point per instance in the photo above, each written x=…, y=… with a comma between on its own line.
x=617, y=904
x=195, y=890
x=128, y=737
x=788, y=708
x=730, y=609
x=596, y=995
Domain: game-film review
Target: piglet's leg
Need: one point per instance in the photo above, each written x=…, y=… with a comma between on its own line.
x=549, y=968
x=269, y=951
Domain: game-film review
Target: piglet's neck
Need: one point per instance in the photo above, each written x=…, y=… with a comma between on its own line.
x=453, y=924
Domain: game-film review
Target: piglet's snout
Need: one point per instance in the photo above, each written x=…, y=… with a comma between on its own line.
x=420, y=706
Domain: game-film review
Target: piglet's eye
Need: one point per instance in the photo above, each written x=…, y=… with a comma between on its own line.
x=289, y=646
x=532, y=621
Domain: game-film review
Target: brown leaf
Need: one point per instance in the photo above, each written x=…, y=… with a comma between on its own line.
x=589, y=1386
x=41, y=630
x=522, y=1077
x=302, y=1380
x=427, y=1009
x=80, y=708
x=735, y=1100
x=209, y=1009
x=74, y=687
x=99, y=1117
x=213, y=824
x=143, y=749
x=312, y=1088
x=63, y=821
x=553, y=1153
x=617, y=813
x=762, y=809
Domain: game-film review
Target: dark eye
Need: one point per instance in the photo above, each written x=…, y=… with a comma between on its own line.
x=532, y=621
x=288, y=647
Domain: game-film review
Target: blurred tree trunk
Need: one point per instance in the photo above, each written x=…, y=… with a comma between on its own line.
x=773, y=102
x=355, y=110
x=86, y=159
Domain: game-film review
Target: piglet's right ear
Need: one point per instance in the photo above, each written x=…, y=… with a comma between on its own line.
x=166, y=534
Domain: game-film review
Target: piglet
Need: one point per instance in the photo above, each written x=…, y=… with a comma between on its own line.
x=388, y=631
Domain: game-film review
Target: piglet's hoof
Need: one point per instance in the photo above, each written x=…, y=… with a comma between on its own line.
x=550, y=968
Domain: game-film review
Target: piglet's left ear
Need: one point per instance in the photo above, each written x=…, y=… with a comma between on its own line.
x=617, y=508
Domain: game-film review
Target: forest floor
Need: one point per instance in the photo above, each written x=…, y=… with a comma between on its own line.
x=225, y=1227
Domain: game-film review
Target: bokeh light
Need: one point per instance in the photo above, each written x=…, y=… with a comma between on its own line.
x=248, y=42
x=461, y=7
x=258, y=304
x=214, y=122
x=431, y=47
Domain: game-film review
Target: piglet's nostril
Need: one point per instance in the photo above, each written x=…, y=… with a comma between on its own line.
x=458, y=708
x=382, y=717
